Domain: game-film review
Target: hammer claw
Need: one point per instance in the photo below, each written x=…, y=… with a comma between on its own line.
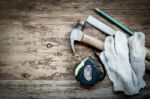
x=72, y=45
x=76, y=34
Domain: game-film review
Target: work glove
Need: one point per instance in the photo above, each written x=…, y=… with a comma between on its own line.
x=137, y=54
x=115, y=58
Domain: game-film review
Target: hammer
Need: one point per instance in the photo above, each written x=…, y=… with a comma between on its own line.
x=78, y=35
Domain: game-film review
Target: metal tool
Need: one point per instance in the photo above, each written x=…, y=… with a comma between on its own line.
x=88, y=73
x=78, y=35
x=114, y=21
x=107, y=29
x=100, y=25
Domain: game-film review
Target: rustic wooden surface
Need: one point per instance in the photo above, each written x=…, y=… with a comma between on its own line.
x=31, y=70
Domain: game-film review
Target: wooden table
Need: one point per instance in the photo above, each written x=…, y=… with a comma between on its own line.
x=31, y=70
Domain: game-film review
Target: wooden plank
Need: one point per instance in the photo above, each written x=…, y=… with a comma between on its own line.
x=24, y=45
x=41, y=5
x=28, y=69
x=44, y=89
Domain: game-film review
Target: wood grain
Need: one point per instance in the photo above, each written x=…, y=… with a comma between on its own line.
x=45, y=89
x=35, y=47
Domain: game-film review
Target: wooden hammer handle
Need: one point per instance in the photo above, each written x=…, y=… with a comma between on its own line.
x=147, y=54
x=93, y=42
x=100, y=45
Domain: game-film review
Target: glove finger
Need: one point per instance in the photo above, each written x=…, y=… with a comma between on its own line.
x=111, y=74
x=109, y=47
x=121, y=44
x=137, y=56
x=137, y=45
x=104, y=60
x=110, y=53
x=117, y=82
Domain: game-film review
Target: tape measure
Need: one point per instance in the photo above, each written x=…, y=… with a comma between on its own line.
x=88, y=73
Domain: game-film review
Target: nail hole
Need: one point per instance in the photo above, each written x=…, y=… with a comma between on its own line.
x=25, y=75
x=49, y=45
x=59, y=54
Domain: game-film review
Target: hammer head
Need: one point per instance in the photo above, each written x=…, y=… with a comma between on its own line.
x=76, y=34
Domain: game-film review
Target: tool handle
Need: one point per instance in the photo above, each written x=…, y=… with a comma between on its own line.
x=147, y=63
x=93, y=42
x=147, y=54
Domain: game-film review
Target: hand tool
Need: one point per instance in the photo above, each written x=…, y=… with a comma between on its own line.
x=100, y=25
x=114, y=21
x=88, y=73
x=78, y=35
x=107, y=29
